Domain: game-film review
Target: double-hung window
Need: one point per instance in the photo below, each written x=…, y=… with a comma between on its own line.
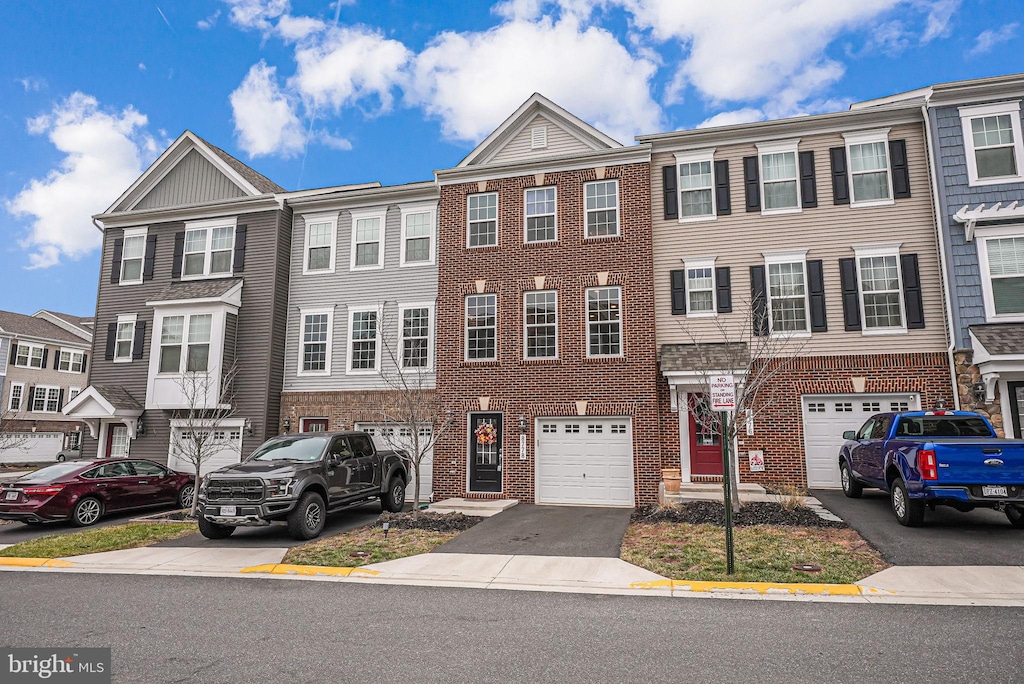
x=541, y=214
x=870, y=180
x=540, y=313
x=364, y=347
x=1002, y=266
x=125, y=337
x=17, y=397
x=700, y=288
x=878, y=271
x=209, y=246
x=696, y=185
x=416, y=335
x=193, y=332
x=321, y=236
x=417, y=235
x=71, y=361
x=787, y=293
x=992, y=138
x=602, y=207
x=604, y=321
x=29, y=355
x=45, y=399
x=132, y=255
x=315, y=343
x=482, y=220
x=481, y=327
x=779, y=177
x=368, y=239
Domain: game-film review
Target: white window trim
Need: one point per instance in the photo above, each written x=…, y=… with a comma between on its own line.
x=860, y=138
x=10, y=397
x=787, y=257
x=526, y=191
x=214, y=355
x=701, y=263
x=209, y=225
x=410, y=210
x=352, y=311
x=880, y=250
x=618, y=211
x=622, y=322
x=362, y=214
x=72, y=390
x=966, y=115
x=778, y=147
x=465, y=328
x=133, y=233
x=125, y=318
x=692, y=157
x=46, y=390
x=497, y=220
x=982, y=235
x=71, y=360
x=526, y=356
x=330, y=341
x=30, y=346
x=402, y=308
x=310, y=220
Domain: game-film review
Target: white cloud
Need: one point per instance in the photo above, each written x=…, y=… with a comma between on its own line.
x=737, y=116
x=989, y=38
x=265, y=119
x=335, y=142
x=104, y=152
x=209, y=22
x=142, y=66
x=940, y=17
x=297, y=28
x=256, y=14
x=32, y=84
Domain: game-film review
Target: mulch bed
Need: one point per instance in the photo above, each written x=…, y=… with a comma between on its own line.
x=435, y=522
x=713, y=513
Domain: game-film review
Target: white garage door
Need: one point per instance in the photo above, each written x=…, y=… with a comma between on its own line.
x=401, y=437
x=31, y=447
x=826, y=417
x=228, y=455
x=585, y=461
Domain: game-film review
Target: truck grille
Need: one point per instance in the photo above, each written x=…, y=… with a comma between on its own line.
x=234, y=490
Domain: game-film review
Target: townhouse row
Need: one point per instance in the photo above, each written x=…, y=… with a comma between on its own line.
x=561, y=297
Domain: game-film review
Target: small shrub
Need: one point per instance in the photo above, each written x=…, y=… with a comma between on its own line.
x=791, y=497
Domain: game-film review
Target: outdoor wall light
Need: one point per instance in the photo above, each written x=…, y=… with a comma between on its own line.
x=979, y=392
x=140, y=427
x=248, y=428
x=522, y=424
x=287, y=425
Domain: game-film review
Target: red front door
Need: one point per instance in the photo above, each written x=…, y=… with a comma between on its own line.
x=705, y=441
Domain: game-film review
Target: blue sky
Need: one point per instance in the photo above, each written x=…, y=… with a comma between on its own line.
x=322, y=93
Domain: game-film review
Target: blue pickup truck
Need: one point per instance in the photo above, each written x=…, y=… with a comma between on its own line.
x=930, y=458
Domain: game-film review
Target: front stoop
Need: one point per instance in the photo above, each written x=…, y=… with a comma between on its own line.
x=481, y=508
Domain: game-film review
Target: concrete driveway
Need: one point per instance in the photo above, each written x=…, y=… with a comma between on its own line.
x=948, y=537
x=532, y=530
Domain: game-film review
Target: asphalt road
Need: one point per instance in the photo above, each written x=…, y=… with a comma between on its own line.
x=191, y=629
x=948, y=537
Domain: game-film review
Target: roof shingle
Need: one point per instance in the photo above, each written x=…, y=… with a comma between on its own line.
x=1000, y=338
x=30, y=326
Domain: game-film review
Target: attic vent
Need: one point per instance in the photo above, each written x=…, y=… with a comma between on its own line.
x=538, y=137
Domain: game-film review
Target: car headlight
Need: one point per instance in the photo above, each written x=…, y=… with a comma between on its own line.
x=280, y=488
x=203, y=483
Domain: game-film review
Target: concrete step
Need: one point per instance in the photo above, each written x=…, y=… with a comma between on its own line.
x=482, y=508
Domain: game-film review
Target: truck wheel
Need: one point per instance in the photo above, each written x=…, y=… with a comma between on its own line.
x=212, y=530
x=394, y=498
x=851, y=487
x=307, y=520
x=909, y=512
x=1015, y=514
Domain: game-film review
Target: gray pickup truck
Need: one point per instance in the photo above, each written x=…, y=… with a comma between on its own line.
x=299, y=479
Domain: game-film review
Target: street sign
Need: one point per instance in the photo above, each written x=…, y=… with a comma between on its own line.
x=723, y=392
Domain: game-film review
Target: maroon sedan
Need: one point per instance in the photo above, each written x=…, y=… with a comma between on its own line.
x=84, y=490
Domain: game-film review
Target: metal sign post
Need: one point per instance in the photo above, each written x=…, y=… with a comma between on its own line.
x=723, y=399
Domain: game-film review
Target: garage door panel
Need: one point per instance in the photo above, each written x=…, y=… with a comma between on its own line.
x=585, y=461
x=32, y=447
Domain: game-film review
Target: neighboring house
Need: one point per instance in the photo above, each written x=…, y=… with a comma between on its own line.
x=45, y=361
x=545, y=352
x=361, y=314
x=193, y=283
x=817, y=231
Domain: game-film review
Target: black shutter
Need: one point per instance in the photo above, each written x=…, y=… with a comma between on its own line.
x=900, y=171
x=723, y=290
x=111, y=341
x=668, y=175
x=46, y=354
x=115, y=266
x=150, y=262
x=750, y=183
x=30, y=397
x=60, y=399
x=912, y=291
x=723, y=202
x=678, y=292
x=56, y=360
x=85, y=363
x=816, y=289
x=140, y=336
x=851, y=296
x=239, y=264
x=14, y=354
x=179, y=254
x=808, y=183
x=759, y=301
x=840, y=186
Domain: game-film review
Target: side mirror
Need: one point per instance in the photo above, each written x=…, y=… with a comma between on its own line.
x=850, y=434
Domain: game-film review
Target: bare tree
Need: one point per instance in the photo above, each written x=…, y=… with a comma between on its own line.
x=200, y=431
x=10, y=436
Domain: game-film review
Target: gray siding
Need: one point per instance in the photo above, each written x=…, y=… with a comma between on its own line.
x=560, y=143
x=191, y=181
x=954, y=193
x=387, y=287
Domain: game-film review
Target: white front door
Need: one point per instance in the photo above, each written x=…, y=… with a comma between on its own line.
x=118, y=441
x=585, y=460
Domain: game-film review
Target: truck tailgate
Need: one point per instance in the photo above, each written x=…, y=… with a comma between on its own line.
x=979, y=461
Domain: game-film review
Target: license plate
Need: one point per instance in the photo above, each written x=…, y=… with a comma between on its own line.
x=228, y=510
x=993, y=491
x=11, y=496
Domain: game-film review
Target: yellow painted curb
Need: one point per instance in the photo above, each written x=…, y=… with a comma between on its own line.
x=286, y=569
x=35, y=562
x=795, y=588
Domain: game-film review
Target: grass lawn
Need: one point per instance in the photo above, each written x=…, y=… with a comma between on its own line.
x=113, y=538
x=763, y=553
x=338, y=550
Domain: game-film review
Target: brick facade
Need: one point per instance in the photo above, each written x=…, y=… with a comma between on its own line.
x=515, y=387
x=342, y=409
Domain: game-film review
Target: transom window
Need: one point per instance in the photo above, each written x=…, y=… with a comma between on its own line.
x=321, y=234
x=604, y=321
x=416, y=337
x=71, y=361
x=540, y=215
x=124, y=340
x=779, y=186
x=29, y=356
x=208, y=251
x=700, y=285
x=481, y=327
x=1006, y=274
x=193, y=332
x=482, y=212
x=540, y=310
x=132, y=255
x=316, y=331
x=363, y=346
x=367, y=240
x=787, y=297
x=417, y=236
x=880, y=290
x=695, y=189
x=602, y=200
x=870, y=180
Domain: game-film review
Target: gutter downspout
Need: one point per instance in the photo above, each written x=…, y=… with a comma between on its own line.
x=947, y=303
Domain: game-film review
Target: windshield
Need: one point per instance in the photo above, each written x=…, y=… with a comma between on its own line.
x=943, y=426
x=291, y=449
x=51, y=472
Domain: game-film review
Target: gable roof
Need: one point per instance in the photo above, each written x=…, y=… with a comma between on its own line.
x=76, y=325
x=514, y=124
x=33, y=327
